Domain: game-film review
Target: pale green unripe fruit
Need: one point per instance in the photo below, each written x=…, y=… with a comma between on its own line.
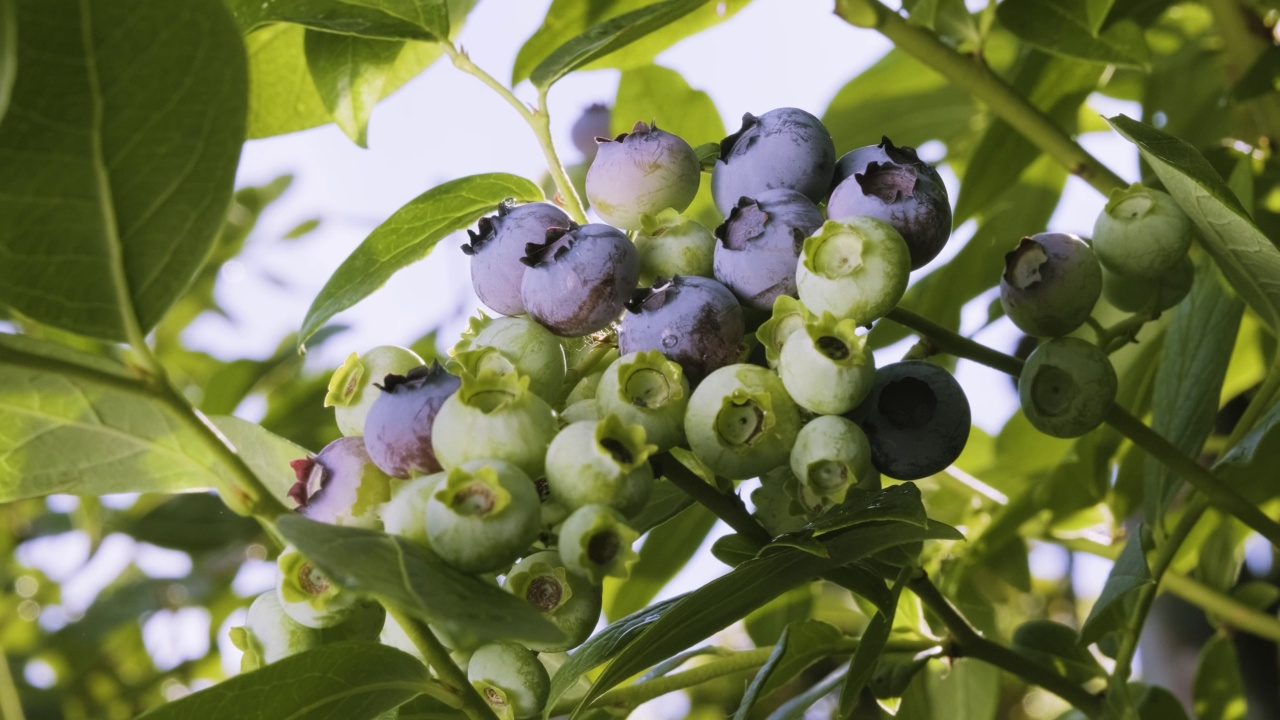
x=855, y=269
x=789, y=316
x=510, y=679
x=741, y=422
x=595, y=542
x=601, y=463
x=671, y=244
x=646, y=389
x=1141, y=233
x=269, y=634
x=520, y=344
x=581, y=411
x=1133, y=294
x=483, y=516
x=831, y=455
x=1067, y=387
x=307, y=595
x=585, y=389
x=827, y=368
x=405, y=514
x=494, y=415
x=567, y=599
x=351, y=389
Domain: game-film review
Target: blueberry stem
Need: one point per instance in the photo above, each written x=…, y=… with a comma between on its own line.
x=954, y=343
x=973, y=74
x=452, y=678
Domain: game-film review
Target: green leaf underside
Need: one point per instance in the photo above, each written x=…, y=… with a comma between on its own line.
x=409, y=235
x=382, y=19
x=349, y=73
x=114, y=182
x=8, y=52
x=349, y=680
x=729, y=598
x=870, y=648
x=1058, y=646
x=1129, y=574
x=1063, y=27
x=1250, y=262
x=665, y=551
x=608, y=36
x=467, y=609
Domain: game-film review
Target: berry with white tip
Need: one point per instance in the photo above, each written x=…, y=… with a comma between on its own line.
x=1141, y=233
x=567, y=599
x=646, y=389
x=827, y=368
x=519, y=344
x=831, y=455
x=510, y=679
x=639, y=173
x=483, y=516
x=405, y=514
x=741, y=422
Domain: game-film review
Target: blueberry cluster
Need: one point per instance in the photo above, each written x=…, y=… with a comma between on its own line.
x=1138, y=260
x=741, y=350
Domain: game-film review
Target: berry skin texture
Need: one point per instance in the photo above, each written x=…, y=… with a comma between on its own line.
x=1133, y=294
x=902, y=191
x=827, y=368
x=497, y=247
x=642, y=172
x=269, y=634
x=855, y=269
x=1141, y=233
x=783, y=148
x=520, y=344
x=601, y=463
x=693, y=321
x=494, y=415
x=591, y=124
x=595, y=542
x=1067, y=387
x=831, y=455
x=340, y=485
x=916, y=418
x=1050, y=284
x=397, y=432
x=567, y=599
x=483, y=516
x=353, y=387
x=741, y=422
x=405, y=514
x=306, y=594
x=760, y=242
x=646, y=389
x=510, y=679
x=672, y=244
x=579, y=279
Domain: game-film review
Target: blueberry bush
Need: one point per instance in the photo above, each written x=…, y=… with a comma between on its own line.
x=694, y=328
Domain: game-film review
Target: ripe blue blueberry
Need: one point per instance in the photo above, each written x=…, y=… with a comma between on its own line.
x=579, y=279
x=591, y=124
x=497, y=247
x=399, y=425
x=341, y=485
x=354, y=386
x=693, y=321
x=916, y=418
x=1050, y=284
x=760, y=243
x=639, y=173
x=783, y=148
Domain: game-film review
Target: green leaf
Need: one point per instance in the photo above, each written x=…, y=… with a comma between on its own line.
x=409, y=235
x=664, y=553
x=1250, y=466
x=1064, y=27
x=866, y=657
x=755, y=690
x=1057, y=646
x=1250, y=262
x=1197, y=350
x=798, y=707
x=666, y=501
x=350, y=680
x=8, y=53
x=1129, y=575
x=653, y=93
x=1156, y=703
x=900, y=503
x=765, y=624
x=568, y=18
x=266, y=453
x=350, y=72
x=135, y=168
x=465, y=608
x=808, y=641
x=191, y=522
x=383, y=19
x=608, y=36
x=1262, y=78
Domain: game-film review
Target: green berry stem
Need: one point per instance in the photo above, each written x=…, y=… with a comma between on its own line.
x=1113, y=337
x=954, y=343
x=452, y=678
x=538, y=120
x=973, y=74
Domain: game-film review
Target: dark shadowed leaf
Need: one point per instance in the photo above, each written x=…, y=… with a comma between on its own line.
x=1250, y=465
x=866, y=657
x=1262, y=77
x=135, y=168
x=900, y=503
x=192, y=522
x=467, y=609
x=350, y=72
x=1130, y=574
x=8, y=52
x=1218, y=689
x=755, y=690
x=349, y=680
x=1057, y=646
x=409, y=235
x=797, y=707
x=808, y=641
x=1065, y=27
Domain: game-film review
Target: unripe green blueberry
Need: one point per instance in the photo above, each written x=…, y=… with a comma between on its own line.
x=307, y=595
x=645, y=388
x=741, y=422
x=1134, y=294
x=789, y=315
x=827, y=367
x=641, y=173
x=1141, y=233
x=585, y=389
x=510, y=678
x=601, y=463
x=269, y=634
x=671, y=244
x=567, y=599
x=494, y=415
x=520, y=344
x=1050, y=284
x=483, y=516
x=831, y=455
x=351, y=389
x=405, y=514
x=581, y=411
x=1067, y=387
x=595, y=542
x=855, y=268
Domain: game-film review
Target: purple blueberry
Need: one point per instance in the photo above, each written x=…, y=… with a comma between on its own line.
x=783, y=148
x=498, y=245
x=642, y=172
x=1050, y=284
x=916, y=418
x=900, y=190
x=591, y=124
x=340, y=485
x=397, y=431
x=579, y=279
x=693, y=321
x=760, y=244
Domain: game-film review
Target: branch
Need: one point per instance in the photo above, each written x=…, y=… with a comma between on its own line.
x=452, y=678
